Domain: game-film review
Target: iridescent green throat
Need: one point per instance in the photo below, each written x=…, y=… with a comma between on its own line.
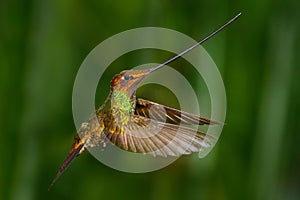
x=121, y=106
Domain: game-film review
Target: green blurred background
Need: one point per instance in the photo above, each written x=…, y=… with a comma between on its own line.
x=43, y=44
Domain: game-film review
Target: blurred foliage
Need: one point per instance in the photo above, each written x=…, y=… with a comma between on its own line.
x=43, y=44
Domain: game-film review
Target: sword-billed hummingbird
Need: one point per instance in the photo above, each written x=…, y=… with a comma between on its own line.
x=125, y=120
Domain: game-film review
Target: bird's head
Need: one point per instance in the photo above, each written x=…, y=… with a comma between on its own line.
x=128, y=80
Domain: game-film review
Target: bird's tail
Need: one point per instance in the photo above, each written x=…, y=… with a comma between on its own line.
x=77, y=148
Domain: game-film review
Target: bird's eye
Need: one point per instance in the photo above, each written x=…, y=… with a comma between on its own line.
x=127, y=77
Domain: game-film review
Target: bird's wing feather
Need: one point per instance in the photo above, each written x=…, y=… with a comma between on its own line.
x=144, y=135
x=163, y=113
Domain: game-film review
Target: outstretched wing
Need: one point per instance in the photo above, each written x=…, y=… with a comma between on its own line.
x=144, y=135
x=163, y=113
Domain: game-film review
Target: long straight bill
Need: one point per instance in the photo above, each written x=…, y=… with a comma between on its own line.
x=197, y=44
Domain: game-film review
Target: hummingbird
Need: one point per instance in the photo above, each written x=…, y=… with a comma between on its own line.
x=139, y=125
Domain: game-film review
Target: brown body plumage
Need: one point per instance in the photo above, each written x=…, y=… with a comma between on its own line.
x=127, y=123
x=139, y=125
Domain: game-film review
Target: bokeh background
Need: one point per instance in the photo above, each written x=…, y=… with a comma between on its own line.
x=42, y=45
